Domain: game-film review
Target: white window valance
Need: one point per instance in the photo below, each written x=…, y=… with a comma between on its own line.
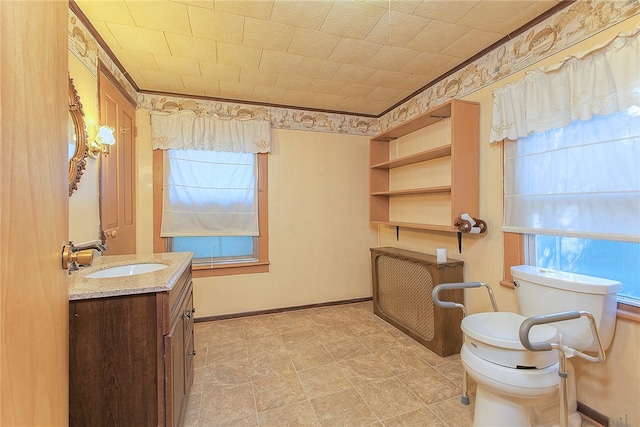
x=601, y=81
x=187, y=130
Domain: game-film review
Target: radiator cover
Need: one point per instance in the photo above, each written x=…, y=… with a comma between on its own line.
x=402, y=284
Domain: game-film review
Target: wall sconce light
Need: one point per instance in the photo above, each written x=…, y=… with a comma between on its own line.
x=102, y=142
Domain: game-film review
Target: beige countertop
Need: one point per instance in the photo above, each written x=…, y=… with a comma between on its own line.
x=81, y=287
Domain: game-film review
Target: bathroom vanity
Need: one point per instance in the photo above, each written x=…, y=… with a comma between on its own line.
x=131, y=347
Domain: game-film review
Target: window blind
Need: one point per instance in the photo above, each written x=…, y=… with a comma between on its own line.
x=582, y=180
x=209, y=193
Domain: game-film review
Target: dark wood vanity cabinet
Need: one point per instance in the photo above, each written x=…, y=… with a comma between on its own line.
x=131, y=358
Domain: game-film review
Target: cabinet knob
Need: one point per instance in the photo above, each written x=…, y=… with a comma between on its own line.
x=188, y=314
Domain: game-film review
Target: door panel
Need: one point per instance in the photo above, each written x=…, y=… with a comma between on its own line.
x=34, y=214
x=117, y=180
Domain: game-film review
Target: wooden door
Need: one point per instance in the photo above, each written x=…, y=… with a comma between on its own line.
x=117, y=176
x=34, y=213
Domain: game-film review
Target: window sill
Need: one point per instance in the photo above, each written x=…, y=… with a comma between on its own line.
x=628, y=312
x=230, y=269
x=625, y=311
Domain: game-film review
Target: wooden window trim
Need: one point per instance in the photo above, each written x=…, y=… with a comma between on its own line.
x=220, y=269
x=514, y=255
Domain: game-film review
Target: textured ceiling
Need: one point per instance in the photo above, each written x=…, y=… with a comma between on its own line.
x=356, y=56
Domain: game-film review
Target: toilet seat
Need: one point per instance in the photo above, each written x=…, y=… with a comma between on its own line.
x=494, y=336
x=520, y=383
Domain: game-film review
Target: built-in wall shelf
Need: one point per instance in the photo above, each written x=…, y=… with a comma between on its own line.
x=414, y=191
x=422, y=156
x=454, y=140
x=419, y=226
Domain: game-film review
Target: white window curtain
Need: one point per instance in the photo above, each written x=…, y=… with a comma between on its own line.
x=601, y=81
x=582, y=180
x=190, y=131
x=209, y=193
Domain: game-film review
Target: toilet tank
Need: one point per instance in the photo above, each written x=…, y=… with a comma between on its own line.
x=542, y=291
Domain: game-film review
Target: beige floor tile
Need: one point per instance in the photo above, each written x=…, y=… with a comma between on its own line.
x=225, y=403
x=453, y=371
x=226, y=331
x=429, y=385
x=330, y=366
x=454, y=413
x=201, y=332
x=297, y=415
x=299, y=338
x=227, y=373
x=266, y=344
x=323, y=380
x=364, y=369
x=259, y=326
x=192, y=413
x=423, y=352
x=325, y=317
x=423, y=417
x=248, y=421
x=363, y=328
x=389, y=397
x=400, y=359
x=330, y=334
x=291, y=322
x=224, y=352
x=377, y=340
x=310, y=356
x=278, y=391
x=265, y=365
x=346, y=349
x=345, y=408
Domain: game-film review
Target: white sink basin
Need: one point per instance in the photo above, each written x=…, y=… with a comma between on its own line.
x=126, y=270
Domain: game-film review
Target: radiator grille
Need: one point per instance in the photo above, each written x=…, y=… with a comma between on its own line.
x=404, y=294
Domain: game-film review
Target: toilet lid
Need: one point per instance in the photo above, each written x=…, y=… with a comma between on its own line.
x=501, y=329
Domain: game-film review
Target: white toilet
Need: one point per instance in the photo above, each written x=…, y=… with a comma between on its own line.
x=518, y=387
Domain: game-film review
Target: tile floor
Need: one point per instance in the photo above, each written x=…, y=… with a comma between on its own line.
x=329, y=366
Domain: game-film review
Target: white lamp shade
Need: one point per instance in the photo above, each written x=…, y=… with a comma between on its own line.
x=105, y=135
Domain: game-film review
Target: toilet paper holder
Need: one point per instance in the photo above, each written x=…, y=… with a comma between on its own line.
x=467, y=224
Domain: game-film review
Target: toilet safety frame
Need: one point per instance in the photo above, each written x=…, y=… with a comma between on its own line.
x=523, y=334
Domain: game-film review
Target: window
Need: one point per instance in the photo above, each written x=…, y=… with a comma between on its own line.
x=601, y=258
x=575, y=193
x=223, y=249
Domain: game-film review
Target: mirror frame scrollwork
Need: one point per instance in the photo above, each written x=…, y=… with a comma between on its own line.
x=77, y=162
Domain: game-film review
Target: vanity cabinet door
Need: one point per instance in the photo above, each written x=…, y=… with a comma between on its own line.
x=113, y=362
x=178, y=348
x=189, y=349
x=175, y=373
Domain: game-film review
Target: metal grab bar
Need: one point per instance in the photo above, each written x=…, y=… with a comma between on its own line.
x=461, y=285
x=558, y=317
x=449, y=304
x=563, y=350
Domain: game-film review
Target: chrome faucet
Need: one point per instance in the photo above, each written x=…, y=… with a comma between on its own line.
x=75, y=256
x=91, y=244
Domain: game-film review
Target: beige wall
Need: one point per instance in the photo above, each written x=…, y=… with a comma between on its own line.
x=319, y=232
x=84, y=216
x=611, y=388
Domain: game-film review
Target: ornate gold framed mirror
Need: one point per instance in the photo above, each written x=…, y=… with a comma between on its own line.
x=77, y=139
